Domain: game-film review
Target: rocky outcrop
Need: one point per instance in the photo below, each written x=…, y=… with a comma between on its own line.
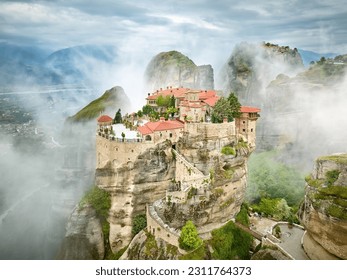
x=133, y=185
x=324, y=210
x=209, y=185
x=252, y=67
x=84, y=239
x=112, y=98
x=175, y=69
x=146, y=247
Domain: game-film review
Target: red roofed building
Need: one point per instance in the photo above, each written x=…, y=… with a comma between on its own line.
x=161, y=130
x=105, y=120
x=194, y=105
x=246, y=123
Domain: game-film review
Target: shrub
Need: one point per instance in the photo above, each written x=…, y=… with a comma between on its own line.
x=242, y=216
x=189, y=238
x=139, y=223
x=99, y=199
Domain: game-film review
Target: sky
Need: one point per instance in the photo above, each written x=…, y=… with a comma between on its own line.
x=199, y=29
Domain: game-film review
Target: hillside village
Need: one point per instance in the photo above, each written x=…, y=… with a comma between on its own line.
x=190, y=116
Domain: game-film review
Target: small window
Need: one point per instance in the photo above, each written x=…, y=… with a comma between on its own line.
x=244, y=130
x=132, y=151
x=170, y=135
x=251, y=129
x=244, y=122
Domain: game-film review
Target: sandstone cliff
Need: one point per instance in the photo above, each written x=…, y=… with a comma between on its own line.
x=132, y=185
x=324, y=210
x=145, y=172
x=252, y=67
x=175, y=69
x=84, y=238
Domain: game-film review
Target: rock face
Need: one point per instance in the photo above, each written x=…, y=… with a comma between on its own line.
x=84, y=239
x=324, y=210
x=175, y=69
x=251, y=68
x=132, y=185
x=137, y=174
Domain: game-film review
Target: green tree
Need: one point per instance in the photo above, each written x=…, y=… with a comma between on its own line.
x=226, y=108
x=147, y=110
x=118, y=117
x=123, y=135
x=171, y=111
x=139, y=113
x=164, y=101
x=189, y=238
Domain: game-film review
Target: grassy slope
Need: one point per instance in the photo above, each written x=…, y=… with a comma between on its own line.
x=94, y=108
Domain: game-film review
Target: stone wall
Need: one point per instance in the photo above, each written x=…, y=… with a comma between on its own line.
x=211, y=130
x=118, y=153
x=159, y=229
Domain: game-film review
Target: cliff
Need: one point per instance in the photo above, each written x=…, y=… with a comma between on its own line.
x=175, y=69
x=142, y=179
x=191, y=179
x=324, y=210
x=84, y=238
x=251, y=67
x=311, y=95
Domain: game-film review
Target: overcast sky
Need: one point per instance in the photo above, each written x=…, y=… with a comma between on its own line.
x=197, y=28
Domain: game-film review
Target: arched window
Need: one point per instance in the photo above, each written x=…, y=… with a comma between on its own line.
x=148, y=138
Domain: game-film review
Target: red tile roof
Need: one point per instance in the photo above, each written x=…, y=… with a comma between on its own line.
x=151, y=127
x=247, y=109
x=205, y=94
x=212, y=101
x=104, y=118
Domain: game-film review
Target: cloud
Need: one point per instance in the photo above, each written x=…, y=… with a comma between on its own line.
x=66, y=23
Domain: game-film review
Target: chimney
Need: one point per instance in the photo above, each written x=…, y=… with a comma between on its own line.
x=225, y=120
x=167, y=87
x=161, y=89
x=162, y=119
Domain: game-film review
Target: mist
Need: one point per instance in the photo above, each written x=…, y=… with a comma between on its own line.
x=302, y=111
x=47, y=163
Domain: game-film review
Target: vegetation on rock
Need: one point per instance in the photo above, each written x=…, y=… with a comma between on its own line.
x=109, y=99
x=189, y=238
x=139, y=223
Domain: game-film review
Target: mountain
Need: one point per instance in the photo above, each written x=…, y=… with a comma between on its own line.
x=175, y=69
x=251, y=67
x=10, y=53
x=305, y=112
x=82, y=64
x=309, y=56
x=109, y=102
x=23, y=67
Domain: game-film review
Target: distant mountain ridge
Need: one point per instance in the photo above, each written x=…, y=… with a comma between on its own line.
x=22, y=66
x=308, y=56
